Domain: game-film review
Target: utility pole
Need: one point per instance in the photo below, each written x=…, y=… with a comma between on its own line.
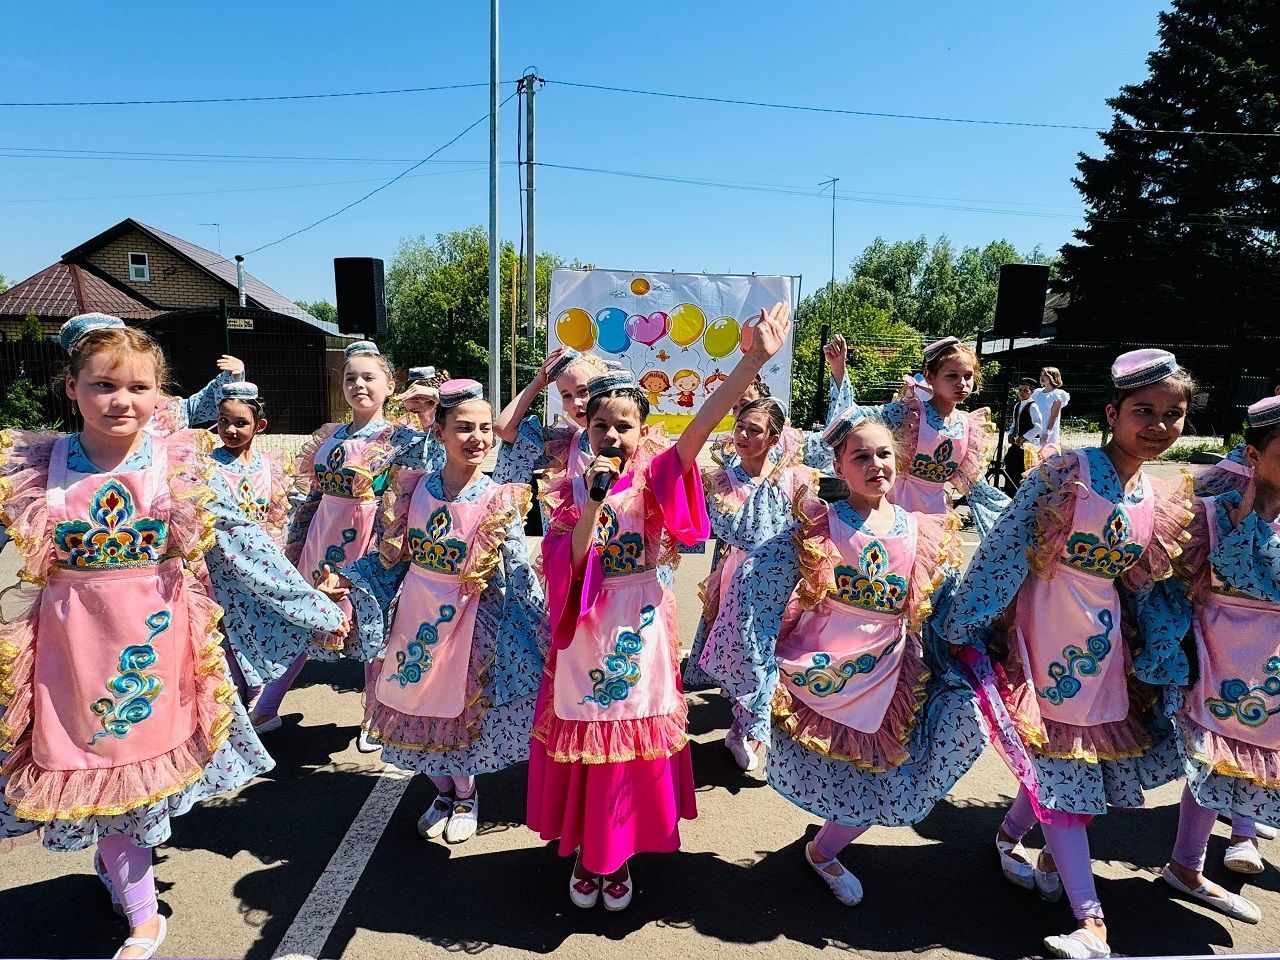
x=831, y=297
x=495, y=305
x=530, y=83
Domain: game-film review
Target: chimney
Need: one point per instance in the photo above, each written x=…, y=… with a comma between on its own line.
x=240, y=278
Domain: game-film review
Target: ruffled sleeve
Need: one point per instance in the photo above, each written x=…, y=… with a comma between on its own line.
x=1158, y=606
x=1173, y=514
x=191, y=475
x=569, y=597
x=395, y=514
x=202, y=406
x=679, y=496
x=937, y=558
x=304, y=494
x=977, y=451
x=277, y=501
x=839, y=398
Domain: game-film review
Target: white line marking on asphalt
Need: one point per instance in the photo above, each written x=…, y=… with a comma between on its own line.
x=306, y=936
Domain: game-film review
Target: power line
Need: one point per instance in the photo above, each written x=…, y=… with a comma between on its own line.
x=258, y=99
x=885, y=115
x=400, y=176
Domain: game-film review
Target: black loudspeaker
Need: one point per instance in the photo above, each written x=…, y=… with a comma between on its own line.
x=362, y=301
x=1019, y=300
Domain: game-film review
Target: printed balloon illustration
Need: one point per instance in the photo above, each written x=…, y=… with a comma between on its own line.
x=648, y=330
x=611, y=330
x=573, y=327
x=748, y=332
x=687, y=324
x=721, y=337
x=639, y=286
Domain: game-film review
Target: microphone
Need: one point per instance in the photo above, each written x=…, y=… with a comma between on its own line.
x=603, y=481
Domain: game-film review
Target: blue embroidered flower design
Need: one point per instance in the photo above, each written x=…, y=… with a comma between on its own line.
x=251, y=505
x=937, y=468
x=132, y=690
x=114, y=538
x=1107, y=557
x=1245, y=703
x=414, y=662
x=869, y=585
x=433, y=548
x=621, y=670
x=822, y=679
x=1084, y=663
x=619, y=553
x=335, y=555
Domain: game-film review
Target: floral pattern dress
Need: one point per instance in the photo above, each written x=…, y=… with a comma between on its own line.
x=930, y=733
x=506, y=658
x=192, y=524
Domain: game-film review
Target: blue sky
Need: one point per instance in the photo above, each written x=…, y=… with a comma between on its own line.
x=1050, y=63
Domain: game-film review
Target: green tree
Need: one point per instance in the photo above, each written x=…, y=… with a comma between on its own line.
x=23, y=406
x=4, y=283
x=31, y=330
x=1180, y=232
x=438, y=305
x=320, y=309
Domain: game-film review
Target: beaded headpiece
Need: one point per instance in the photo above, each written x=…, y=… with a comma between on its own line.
x=935, y=349
x=613, y=380
x=1141, y=368
x=1265, y=413
x=75, y=329
x=240, y=391
x=567, y=356
x=455, y=392
x=421, y=373
x=839, y=428
x=361, y=348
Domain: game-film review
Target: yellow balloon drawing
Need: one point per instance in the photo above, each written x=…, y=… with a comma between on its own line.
x=721, y=338
x=639, y=286
x=574, y=329
x=687, y=324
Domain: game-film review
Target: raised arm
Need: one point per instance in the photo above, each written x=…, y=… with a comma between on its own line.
x=507, y=424
x=771, y=333
x=202, y=406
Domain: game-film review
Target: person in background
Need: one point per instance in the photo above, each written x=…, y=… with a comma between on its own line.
x=1052, y=400
x=1025, y=428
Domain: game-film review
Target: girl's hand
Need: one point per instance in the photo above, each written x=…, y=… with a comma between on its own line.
x=334, y=586
x=837, y=354
x=543, y=377
x=600, y=466
x=771, y=333
x=231, y=365
x=344, y=628
x=420, y=399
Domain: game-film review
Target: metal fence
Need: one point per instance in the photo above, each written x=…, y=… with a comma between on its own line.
x=31, y=378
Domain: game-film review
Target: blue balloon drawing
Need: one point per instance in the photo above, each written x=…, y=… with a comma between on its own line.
x=611, y=330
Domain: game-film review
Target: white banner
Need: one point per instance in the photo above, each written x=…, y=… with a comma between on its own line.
x=678, y=333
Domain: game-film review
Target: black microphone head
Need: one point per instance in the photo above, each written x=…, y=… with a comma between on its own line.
x=617, y=453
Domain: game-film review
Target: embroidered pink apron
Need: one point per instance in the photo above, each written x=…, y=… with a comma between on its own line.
x=429, y=645
x=843, y=658
x=1068, y=627
x=620, y=665
x=251, y=492
x=922, y=488
x=113, y=679
x=1238, y=646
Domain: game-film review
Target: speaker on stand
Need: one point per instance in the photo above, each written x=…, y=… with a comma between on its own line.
x=362, y=301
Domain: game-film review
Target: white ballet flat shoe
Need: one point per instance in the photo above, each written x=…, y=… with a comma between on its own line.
x=149, y=945
x=1243, y=857
x=432, y=823
x=584, y=893
x=1017, y=872
x=265, y=724
x=617, y=893
x=100, y=869
x=846, y=887
x=1232, y=904
x=1048, y=885
x=1081, y=945
x=744, y=754
x=365, y=743
x=464, y=820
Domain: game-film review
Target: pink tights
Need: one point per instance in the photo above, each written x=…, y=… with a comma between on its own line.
x=460, y=787
x=1068, y=843
x=129, y=868
x=1195, y=823
x=834, y=837
x=268, y=704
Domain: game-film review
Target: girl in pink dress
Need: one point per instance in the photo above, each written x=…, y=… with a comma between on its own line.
x=1227, y=730
x=938, y=443
x=339, y=476
x=118, y=711
x=609, y=768
x=1086, y=537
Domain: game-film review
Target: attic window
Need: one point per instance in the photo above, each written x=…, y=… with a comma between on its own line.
x=139, y=269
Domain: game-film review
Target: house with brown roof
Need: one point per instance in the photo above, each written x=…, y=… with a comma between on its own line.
x=188, y=298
